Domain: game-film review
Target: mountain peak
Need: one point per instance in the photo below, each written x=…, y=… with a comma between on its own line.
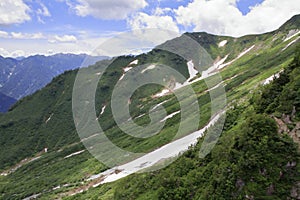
x=291, y=24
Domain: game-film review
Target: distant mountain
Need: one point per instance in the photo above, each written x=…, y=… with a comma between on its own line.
x=22, y=77
x=6, y=102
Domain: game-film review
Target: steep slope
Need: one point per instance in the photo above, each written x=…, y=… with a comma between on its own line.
x=6, y=102
x=254, y=159
x=44, y=119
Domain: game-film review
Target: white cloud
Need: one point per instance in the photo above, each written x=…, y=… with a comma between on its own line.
x=13, y=12
x=4, y=52
x=143, y=20
x=4, y=34
x=108, y=9
x=63, y=39
x=161, y=11
x=223, y=16
x=20, y=35
x=43, y=11
x=152, y=30
x=17, y=53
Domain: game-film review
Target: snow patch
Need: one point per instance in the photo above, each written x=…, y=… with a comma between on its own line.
x=162, y=93
x=74, y=154
x=223, y=43
x=167, y=151
x=192, y=71
x=35, y=196
x=156, y=106
x=126, y=69
x=291, y=34
x=121, y=78
x=170, y=116
x=289, y=44
x=56, y=188
x=49, y=118
x=102, y=110
x=205, y=74
x=135, y=62
x=138, y=116
x=271, y=78
x=239, y=56
x=148, y=68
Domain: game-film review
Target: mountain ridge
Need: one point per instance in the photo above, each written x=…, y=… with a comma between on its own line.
x=22, y=77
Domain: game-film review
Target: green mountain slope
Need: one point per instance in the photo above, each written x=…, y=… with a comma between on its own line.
x=253, y=159
x=44, y=120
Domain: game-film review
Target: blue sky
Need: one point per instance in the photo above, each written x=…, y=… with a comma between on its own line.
x=77, y=26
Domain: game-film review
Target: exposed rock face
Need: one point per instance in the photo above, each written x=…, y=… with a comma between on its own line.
x=295, y=192
x=283, y=127
x=295, y=133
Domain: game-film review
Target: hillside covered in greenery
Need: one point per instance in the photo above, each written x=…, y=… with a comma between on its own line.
x=252, y=160
x=42, y=156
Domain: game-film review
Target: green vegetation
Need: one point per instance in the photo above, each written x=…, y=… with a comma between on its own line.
x=250, y=159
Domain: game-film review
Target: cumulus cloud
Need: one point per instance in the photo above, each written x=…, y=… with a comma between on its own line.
x=154, y=29
x=20, y=35
x=63, y=39
x=4, y=34
x=143, y=20
x=223, y=16
x=108, y=9
x=13, y=12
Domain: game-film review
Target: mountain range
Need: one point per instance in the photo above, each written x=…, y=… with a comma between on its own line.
x=257, y=156
x=23, y=76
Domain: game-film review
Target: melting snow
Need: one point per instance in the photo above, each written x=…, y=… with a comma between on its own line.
x=210, y=71
x=135, y=62
x=291, y=35
x=102, y=110
x=239, y=56
x=126, y=69
x=162, y=93
x=138, y=116
x=123, y=75
x=170, y=116
x=74, y=154
x=295, y=40
x=49, y=118
x=271, y=78
x=205, y=74
x=167, y=151
x=192, y=71
x=148, y=68
x=223, y=43
x=156, y=106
